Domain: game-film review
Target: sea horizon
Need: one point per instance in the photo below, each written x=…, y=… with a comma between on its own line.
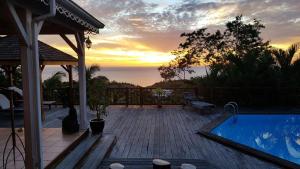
x=142, y=76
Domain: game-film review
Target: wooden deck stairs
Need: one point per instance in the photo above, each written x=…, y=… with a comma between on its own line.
x=89, y=153
x=141, y=163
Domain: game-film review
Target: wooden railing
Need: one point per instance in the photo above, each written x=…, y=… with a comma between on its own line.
x=145, y=96
x=254, y=96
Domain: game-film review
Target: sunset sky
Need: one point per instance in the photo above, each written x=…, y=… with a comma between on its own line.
x=143, y=32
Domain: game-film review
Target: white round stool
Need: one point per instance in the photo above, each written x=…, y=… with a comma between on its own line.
x=188, y=166
x=116, y=166
x=161, y=164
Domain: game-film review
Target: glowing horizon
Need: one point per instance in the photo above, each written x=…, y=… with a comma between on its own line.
x=140, y=33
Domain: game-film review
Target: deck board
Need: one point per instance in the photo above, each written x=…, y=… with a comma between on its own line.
x=170, y=133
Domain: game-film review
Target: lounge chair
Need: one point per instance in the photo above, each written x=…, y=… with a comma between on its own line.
x=5, y=105
x=196, y=102
x=20, y=94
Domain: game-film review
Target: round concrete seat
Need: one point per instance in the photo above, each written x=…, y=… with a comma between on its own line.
x=116, y=166
x=188, y=166
x=161, y=164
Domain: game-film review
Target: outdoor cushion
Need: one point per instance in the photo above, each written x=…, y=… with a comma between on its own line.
x=17, y=90
x=188, y=166
x=116, y=166
x=161, y=164
x=4, y=102
x=202, y=105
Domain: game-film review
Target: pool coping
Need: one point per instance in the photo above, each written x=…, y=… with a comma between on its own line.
x=206, y=132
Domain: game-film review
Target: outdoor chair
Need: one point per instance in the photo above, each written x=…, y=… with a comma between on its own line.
x=19, y=102
x=5, y=106
x=192, y=100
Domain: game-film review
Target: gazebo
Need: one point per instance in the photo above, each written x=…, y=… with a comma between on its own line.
x=10, y=58
x=28, y=19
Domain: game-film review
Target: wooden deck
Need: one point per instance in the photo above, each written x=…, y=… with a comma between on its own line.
x=144, y=133
x=53, y=142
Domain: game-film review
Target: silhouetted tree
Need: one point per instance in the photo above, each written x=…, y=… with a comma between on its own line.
x=55, y=81
x=288, y=63
x=237, y=56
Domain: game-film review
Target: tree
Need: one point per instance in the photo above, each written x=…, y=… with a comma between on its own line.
x=237, y=56
x=97, y=91
x=167, y=72
x=177, y=67
x=55, y=81
x=289, y=64
x=16, y=73
x=91, y=71
x=285, y=58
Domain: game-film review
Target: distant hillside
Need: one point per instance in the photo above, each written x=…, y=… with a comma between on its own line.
x=174, y=84
x=114, y=84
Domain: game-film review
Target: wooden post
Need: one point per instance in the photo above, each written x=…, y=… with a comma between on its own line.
x=71, y=93
x=127, y=96
x=141, y=96
x=42, y=93
x=28, y=32
x=82, y=80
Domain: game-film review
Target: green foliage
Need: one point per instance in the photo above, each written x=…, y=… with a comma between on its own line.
x=237, y=56
x=55, y=81
x=4, y=76
x=101, y=111
x=96, y=92
x=288, y=63
x=173, y=84
x=91, y=71
x=3, y=80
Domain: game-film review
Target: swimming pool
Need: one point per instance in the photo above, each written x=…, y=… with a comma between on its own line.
x=277, y=135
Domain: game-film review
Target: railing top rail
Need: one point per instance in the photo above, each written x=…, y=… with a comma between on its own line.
x=150, y=88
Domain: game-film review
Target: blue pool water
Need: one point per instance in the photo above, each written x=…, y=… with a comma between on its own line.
x=278, y=135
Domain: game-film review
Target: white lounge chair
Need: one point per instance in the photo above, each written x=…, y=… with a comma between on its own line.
x=4, y=102
x=5, y=105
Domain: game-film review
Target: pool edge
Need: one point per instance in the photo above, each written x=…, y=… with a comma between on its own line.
x=206, y=132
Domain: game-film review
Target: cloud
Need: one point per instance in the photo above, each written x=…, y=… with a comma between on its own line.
x=137, y=29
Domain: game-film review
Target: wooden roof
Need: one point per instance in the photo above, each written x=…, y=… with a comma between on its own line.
x=10, y=53
x=70, y=18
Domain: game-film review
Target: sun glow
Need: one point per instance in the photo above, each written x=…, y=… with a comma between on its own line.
x=136, y=55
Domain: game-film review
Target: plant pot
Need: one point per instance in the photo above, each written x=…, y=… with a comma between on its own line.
x=97, y=126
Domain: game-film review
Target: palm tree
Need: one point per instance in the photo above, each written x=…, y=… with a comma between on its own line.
x=91, y=71
x=55, y=81
x=285, y=57
x=289, y=64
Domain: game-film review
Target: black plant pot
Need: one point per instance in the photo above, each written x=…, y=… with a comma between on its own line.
x=97, y=126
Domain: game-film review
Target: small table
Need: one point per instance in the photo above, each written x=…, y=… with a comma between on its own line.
x=49, y=103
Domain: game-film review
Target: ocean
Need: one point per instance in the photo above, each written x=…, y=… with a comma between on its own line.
x=142, y=76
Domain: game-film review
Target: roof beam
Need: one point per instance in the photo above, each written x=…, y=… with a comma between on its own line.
x=69, y=42
x=18, y=22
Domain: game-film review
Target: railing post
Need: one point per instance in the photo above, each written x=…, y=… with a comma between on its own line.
x=141, y=96
x=127, y=96
x=212, y=94
x=196, y=91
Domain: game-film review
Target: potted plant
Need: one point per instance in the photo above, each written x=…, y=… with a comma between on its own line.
x=97, y=103
x=97, y=124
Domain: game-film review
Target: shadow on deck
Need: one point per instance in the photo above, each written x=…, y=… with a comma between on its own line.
x=144, y=133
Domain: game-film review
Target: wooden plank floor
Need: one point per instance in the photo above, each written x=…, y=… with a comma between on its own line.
x=53, y=142
x=169, y=133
